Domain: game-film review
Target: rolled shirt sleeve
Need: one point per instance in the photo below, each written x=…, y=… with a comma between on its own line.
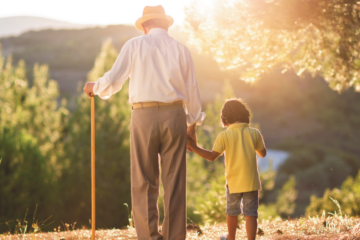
x=193, y=105
x=259, y=146
x=219, y=144
x=113, y=80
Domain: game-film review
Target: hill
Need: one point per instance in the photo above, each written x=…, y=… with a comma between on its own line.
x=12, y=26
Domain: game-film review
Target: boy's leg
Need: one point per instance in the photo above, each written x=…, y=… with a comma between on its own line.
x=250, y=211
x=233, y=210
x=232, y=222
x=251, y=227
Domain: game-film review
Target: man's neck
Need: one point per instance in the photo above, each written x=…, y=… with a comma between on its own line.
x=146, y=31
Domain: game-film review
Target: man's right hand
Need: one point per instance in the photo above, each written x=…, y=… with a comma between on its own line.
x=190, y=144
x=191, y=133
x=89, y=89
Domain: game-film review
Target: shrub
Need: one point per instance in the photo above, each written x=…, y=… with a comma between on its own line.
x=348, y=197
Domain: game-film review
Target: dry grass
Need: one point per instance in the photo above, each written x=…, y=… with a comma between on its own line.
x=336, y=227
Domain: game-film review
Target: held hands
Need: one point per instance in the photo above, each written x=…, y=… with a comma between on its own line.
x=190, y=144
x=89, y=89
x=191, y=135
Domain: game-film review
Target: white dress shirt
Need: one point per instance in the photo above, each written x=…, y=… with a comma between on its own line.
x=160, y=70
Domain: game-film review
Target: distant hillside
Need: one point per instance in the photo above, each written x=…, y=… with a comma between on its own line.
x=13, y=26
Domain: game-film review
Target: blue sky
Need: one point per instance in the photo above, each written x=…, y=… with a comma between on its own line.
x=89, y=11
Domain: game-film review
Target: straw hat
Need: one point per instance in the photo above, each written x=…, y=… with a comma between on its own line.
x=153, y=13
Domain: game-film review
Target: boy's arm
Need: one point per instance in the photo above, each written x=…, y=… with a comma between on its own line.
x=260, y=145
x=261, y=153
x=208, y=155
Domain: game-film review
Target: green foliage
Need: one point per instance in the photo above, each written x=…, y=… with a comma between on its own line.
x=46, y=155
x=34, y=109
x=212, y=204
x=285, y=203
x=25, y=176
x=315, y=169
x=253, y=36
x=348, y=197
x=112, y=120
x=32, y=128
x=268, y=212
x=267, y=179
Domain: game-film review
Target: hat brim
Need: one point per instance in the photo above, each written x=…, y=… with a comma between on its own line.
x=140, y=21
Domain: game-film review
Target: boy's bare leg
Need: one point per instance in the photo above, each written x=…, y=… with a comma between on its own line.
x=251, y=227
x=232, y=222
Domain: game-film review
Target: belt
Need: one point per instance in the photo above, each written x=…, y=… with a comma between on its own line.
x=155, y=104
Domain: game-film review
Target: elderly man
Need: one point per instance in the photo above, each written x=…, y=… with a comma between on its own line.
x=166, y=106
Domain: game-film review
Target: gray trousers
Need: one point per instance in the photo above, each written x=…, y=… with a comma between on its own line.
x=154, y=131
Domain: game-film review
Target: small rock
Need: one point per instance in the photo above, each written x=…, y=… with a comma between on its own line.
x=260, y=232
x=193, y=226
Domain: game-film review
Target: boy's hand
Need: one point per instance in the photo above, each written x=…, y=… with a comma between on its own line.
x=191, y=132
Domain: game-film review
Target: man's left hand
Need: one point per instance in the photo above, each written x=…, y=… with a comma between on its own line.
x=88, y=89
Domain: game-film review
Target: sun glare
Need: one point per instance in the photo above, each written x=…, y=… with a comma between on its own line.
x=108, y=12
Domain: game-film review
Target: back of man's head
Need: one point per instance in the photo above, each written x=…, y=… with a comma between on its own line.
x=156, y=23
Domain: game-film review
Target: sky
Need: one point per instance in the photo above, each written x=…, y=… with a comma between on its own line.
x=102, y=12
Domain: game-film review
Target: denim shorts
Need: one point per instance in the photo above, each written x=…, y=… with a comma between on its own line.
x=250, y=202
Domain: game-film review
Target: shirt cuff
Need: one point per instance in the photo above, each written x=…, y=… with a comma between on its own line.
x=101, y=90
x=200, y=120
x=96, y=88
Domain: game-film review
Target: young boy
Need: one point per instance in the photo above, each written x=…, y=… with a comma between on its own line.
x=240, y=143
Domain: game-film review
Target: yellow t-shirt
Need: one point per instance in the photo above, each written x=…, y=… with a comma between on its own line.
x=239, y=142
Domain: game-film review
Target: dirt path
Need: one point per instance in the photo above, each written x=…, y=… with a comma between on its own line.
x=312, y=228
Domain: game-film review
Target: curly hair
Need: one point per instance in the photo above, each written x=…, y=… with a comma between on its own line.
x=235, y=110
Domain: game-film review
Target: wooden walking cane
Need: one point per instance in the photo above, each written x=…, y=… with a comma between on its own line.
x=92, y=167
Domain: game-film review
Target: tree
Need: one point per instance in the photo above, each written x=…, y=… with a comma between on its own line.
x=253, y=36
x=285, y=202
x=112, y=121
x=32, y=130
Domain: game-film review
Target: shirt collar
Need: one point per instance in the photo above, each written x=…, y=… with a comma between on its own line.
x=158, y=32
x=238, y=125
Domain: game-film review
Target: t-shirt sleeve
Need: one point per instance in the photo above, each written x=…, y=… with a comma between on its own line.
x=220, y=144
x=259, y=144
